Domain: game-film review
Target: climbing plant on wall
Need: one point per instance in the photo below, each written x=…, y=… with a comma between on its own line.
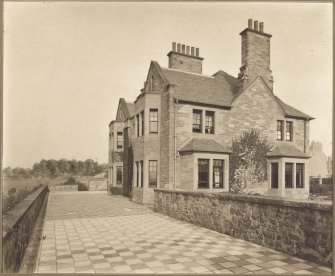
x=248, y=160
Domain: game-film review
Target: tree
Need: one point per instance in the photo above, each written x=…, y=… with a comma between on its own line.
x=248, y=161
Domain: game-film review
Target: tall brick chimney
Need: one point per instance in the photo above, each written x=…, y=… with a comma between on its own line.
x=185, y=58
x=255, y=54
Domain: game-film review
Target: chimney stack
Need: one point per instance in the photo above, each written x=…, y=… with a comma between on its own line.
x=255, y=54
x=256, y=25
x=250, y=23
x=185, y=58
x=261, y=27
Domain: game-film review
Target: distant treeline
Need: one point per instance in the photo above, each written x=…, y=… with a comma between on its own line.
x=55, y=168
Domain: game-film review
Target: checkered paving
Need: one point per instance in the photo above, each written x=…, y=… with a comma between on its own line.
x=130, y=238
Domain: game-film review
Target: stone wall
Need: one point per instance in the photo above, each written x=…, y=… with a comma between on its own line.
x=63, y=188
x=116, y=190
x=137, y=195
x=302, y=229
x=17, y=228
x=99, y=184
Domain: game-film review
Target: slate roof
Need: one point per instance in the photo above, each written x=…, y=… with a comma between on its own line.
x=218, y=90
x=291, y=111
x=286, y=150
x=131, y=108
x=196, y=88
x=204, y=145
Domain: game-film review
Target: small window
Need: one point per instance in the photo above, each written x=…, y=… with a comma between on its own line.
x=209, y=122
x=153, y=121
x=197, y=120
x=289, y=131
x=141, y=162
x=118, y=175
x=274, y=175
x=299, y=175
x=280, y=125
x=203, y=173
x=138, y=125
x=218, y=167
x=137, y=174
x=288, y=175
x=152, y=79
x=142, y=118
x=153, y=173
x=119, y=140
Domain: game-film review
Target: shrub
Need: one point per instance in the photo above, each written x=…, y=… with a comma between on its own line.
x=248, y=161
x=82, y=187
x=70, y=181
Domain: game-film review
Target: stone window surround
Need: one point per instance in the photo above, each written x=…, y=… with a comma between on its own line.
x=281, y=190
x=203, y=120
x=211, y=157
x=113, y=174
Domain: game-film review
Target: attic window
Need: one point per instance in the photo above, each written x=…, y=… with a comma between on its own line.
x=151, y=83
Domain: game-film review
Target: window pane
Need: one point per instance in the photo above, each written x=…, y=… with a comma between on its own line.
x=142, y=117
x=197, y=124
x=274, y=175
x=119, y=140
x=209, y=122
x=289, y=129
x=141, y=173
x=152, y=173
x=138, y=125
x=299, y=177
x=118, y=175
x=288, y=175
x=280, y=125
x=153, y=120
x=218, y=167
x=203, y=173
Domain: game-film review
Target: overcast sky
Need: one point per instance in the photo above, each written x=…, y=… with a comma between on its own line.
x=67, y=64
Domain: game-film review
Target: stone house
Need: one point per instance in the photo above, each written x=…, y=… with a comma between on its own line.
x=178, y=131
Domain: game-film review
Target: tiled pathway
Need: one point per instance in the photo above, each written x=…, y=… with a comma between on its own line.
x=95, y=233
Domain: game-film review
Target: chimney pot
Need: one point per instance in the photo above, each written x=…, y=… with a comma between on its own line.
x=188, y=50
x=178, y=47
x=256, y=25
x=261, y=27
x=173, y=46
x=192, y=51
x=197, y=52
x=183, y=48
x=250, y=23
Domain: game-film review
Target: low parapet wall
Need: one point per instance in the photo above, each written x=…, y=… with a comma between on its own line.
x=302, y=229
x=18, y=225
x=63, y=188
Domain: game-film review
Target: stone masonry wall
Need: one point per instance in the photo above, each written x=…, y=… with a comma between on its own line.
x=302, y=229
x=18, y=225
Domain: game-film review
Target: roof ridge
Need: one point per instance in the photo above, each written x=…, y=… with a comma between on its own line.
x=197, y=74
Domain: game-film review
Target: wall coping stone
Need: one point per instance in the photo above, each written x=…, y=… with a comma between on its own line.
x=296, y=203
x=14, y=215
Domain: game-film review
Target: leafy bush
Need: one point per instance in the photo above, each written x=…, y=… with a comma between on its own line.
x=248, y=161
x=82, y=187
x=14, y=196
x=316, y=188
x=70, y=181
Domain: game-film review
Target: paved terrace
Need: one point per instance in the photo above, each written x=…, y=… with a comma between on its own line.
x=92, y=232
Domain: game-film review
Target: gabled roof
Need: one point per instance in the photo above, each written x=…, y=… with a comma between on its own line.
x=292, y=112
x=286, y=150
x=197, y=88
x=204, y=145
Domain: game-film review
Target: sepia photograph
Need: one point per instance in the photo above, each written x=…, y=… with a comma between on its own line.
x=167, y=137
